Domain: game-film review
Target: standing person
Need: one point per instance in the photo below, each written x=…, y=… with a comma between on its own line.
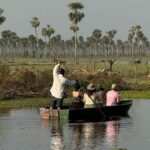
x=57, y=89
x=112, y=96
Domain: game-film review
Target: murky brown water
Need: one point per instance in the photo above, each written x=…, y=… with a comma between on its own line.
x=23, y=129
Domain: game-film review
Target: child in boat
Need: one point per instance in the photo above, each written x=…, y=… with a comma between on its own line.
x=77, y=95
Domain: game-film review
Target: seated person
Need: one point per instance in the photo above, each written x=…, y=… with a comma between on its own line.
x=77, y=95
x=101, y=95
x=89, y=97
x=112, y=96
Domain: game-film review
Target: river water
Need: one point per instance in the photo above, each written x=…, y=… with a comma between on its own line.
x=23, y=129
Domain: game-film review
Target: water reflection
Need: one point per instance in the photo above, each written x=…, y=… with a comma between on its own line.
x=111, y=132
x=95, y=135
x=4, y=111
x=22, y=129
x=56, y=140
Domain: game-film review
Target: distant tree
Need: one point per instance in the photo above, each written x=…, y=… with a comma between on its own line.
x=96, y=37
x=75, y=17
x=13, y=40
x=32, y=44
x=110, y=47
x=44, y=33
x=120, y=47
x=137, y=41
x=41, y=47
x=49, y=32
x=25, y=44
x=6, y=41
x=36, y=23
x=2, y=18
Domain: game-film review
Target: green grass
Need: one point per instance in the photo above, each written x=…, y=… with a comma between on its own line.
x=126, y=71
x=22, y=103
x=135, y=94
x=45, y=102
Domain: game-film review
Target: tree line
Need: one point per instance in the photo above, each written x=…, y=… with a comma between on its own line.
x=52, y=45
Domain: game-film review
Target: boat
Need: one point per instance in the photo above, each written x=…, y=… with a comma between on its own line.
x=100, y=113
x=45, y=112
x=103, y=113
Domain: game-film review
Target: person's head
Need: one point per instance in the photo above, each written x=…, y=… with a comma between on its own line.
x=61, y=71
x=77, y=87
x=91, y=88
x=113, y=87
x=99, y=88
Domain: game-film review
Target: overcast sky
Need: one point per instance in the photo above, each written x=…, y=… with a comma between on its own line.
x=99, y=14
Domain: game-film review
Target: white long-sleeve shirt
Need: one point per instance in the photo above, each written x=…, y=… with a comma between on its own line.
x=59, y=82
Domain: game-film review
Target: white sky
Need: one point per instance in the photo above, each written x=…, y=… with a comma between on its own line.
x=99, y=14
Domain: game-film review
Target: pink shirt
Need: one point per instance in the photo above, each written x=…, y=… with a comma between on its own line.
x=111, y=98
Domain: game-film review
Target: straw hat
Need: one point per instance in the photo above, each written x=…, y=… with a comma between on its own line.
x=113, y=87
x=91, y=87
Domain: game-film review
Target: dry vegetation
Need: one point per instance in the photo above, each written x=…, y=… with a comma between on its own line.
x=30, y=81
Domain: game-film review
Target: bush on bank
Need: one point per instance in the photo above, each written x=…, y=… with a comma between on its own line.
x=20, y=81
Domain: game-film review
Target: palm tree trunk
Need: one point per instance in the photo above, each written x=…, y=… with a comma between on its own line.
x=75, y=47
x=45, y=47
x=37, y=45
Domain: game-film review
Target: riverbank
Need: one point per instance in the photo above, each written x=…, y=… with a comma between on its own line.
x=45, y=102
x=35, y=81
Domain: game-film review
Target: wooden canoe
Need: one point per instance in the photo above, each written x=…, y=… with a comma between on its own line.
x=100, y=113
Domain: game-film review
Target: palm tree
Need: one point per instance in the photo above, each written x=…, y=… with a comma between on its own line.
x=25, y=43
x=49, y=32
x=13, y=43
x=35, y=23
x=44, y=33
x=32, y=44
x=96, y=37
x=2, y=18
x=6, y=40
x=75, y=16
x=135, y=38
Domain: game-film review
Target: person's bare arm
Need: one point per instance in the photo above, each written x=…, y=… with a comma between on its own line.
x=55, y=70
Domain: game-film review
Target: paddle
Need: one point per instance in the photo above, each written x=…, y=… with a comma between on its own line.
x=98, y=108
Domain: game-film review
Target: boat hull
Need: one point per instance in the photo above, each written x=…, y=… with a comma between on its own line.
x=100, y=113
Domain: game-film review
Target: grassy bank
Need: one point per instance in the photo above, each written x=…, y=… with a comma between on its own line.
x=135, y=94
x=25, y=78
x=45, y=102
x=24, y=103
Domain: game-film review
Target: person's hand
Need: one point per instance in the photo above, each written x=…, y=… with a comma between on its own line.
x=62, y=62
x=59, y=61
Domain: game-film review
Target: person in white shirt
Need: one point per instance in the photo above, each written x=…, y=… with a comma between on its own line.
x=57, y=89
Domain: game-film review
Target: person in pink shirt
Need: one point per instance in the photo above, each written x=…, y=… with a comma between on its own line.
x=112, y=96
